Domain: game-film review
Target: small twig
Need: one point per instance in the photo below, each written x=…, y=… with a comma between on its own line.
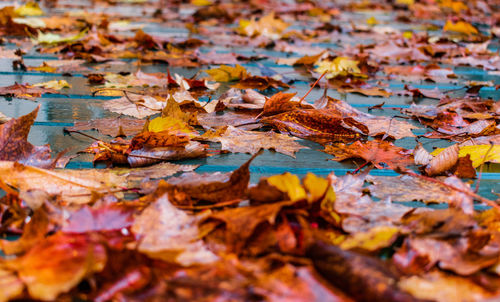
x=360, y=167
x=481, y=168
x=310, y=89
x=469, y=193
x=81, y=133
x=210, y=206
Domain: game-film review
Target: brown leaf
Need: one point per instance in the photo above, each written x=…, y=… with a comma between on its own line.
x=170, y=234
x=148, y=156
x=34, y=231
x=312, y=124
x=260, y=83
x=111, y=126
x=363, y=278
x=25, y=91
x=443, y=161
x=408, y=188
x=240, y=223
x=217, y=187
x=237, y=140
x=464, y=168
x=11, y=286
x=379, y=153
x=74, y=186
x=377, y=125
x=56, y=265
x=360, y=213
x=14, y=145
x=442, y=287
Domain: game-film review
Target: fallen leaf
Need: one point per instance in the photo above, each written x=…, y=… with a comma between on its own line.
x=56, y=265
x=460, y=27
x=408, y=188
x=340, y=66
x=381, y=154
x=170, y=234
x=237, y=140
x=74, y=186
x=375, y=239
x=54, y=84
x=111, y=126
x=24, y=91
x=217, y=187
x=443, y=161
x=227, y=73
x=351, y=271
x=443, y=287
x=376, y=125
x=14, y=145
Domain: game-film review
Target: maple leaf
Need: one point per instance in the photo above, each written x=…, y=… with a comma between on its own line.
x=367, y=123
x=227, y=73
x=340, y=66
x=213, y=188
x=15, y=147
x=268, y=26
x=408, y=188
x=24, y=91
x=74, y=186
x=237, y=140
x=374, y=239
x=379, y=153
x=461, y=27
x=312, y=124
x=240, y=223
x=56, y=265
x=170, y=234
x=111, y=126
x=350, y=271
x=440, y=286
x=54, y=84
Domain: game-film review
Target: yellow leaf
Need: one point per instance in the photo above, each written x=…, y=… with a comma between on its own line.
x=267, y=26
x=460, y=27
x=44, y=68
x=54, y=84
x=372, y=240
x=477, y=153
x=317, y=186
x=227, y=73
x=29, y=9
x=33, y=22
x=289, y=184
x=405, y=2
x=372, y=21
x=407, y=34
x=50, y=38
x=201, y=2
x=456, y=6
x=340, y=66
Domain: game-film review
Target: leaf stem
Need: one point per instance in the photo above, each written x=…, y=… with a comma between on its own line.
x=310, y=89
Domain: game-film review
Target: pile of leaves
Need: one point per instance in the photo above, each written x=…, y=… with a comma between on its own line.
x=149, y=228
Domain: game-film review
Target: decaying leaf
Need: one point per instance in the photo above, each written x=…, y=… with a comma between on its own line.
x=237, y=140
x=443, y=287
x=408, y=188
x=170, y=234
x=74, y=186
x=217, y=187
x=111, y=126
x=56, y=265
x=381, y=154
x=14, y=145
